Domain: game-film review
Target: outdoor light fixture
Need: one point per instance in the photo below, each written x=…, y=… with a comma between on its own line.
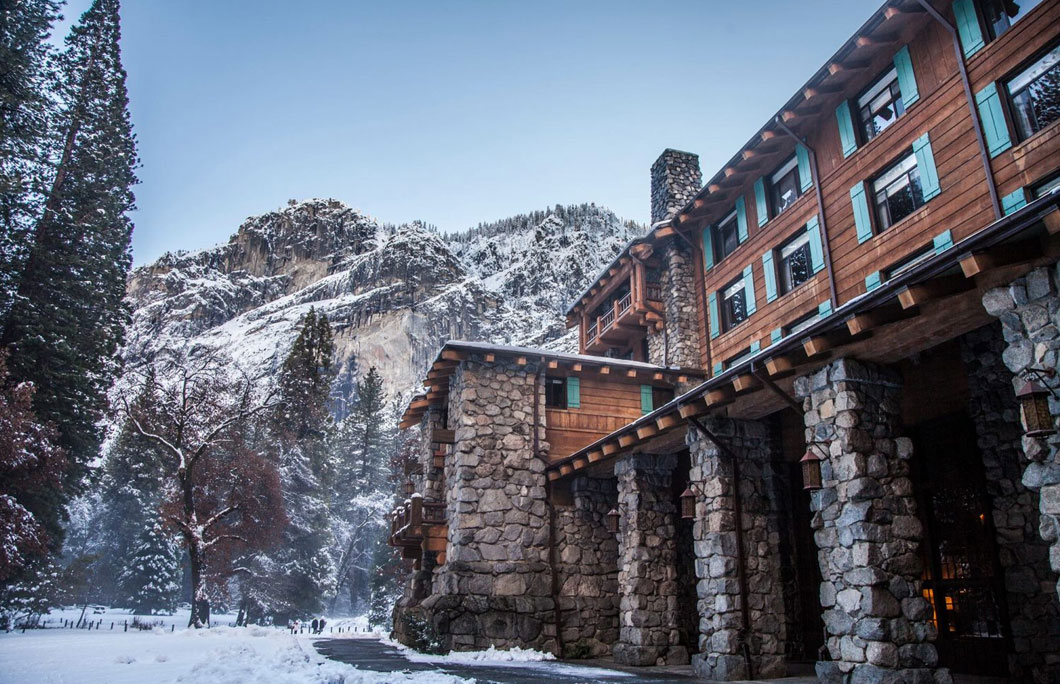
x=1034, y=403
x=612, y=521
x=410, y=488
x=811, y=469
x=688, y=503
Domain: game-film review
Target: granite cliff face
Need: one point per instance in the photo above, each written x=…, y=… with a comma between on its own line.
x=393, y=294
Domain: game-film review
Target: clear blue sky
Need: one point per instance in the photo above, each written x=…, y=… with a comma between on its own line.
x=450, y=112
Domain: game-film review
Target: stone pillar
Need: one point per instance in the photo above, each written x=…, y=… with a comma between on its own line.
x=1029, y=310
x=724, y=648
x=1034, y=612
x=496, y=585
x=675, y=179
x=677, y=344
x=867, y=531
x=587, y=569
x=647, y=559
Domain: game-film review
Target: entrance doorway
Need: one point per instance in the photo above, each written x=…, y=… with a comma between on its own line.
x=962, y=576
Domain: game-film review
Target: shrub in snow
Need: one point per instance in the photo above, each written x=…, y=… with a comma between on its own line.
x=421, y=634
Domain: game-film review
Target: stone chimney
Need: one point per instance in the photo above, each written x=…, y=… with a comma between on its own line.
x=675, y=178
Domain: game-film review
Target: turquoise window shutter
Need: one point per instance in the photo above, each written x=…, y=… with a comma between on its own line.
x=846, y=128
x=708, y=250
x=1017, y=200
x=771, y=276
x=813, y=229
x=802, y=156
x=862, y=218
x=995, y=128
x=776, y=336
x=749, y=290
x=968, y=27
x=906, y=78
x=925, y=164
x=942, y=241
x=718, y=368
x=646, y=404
x=756, y=347
x=761, y=208
x=741, y=219
x=824, y=308
x=574, y=392
x=715, y=330
x=872, y=281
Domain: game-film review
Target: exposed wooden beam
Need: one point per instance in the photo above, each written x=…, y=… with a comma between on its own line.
x=631, y=373
x=817, y=91
x=580, y=462
x=595, y=455
x=696, y=408
x=713, y=187
x=605, y=370
x=1002, y=255
x=892, y=12
x=610, y=448
x=566, y=469
x=748, y=154
x=699, y=203
x=915, y=295
x=553, y=364
x=627, y=440
x=744, y=382
x=876, y=39
x=521, y=361
x=779, y=364
x=768, y=135
x=718, y=396
x=490, y=358
x=864, y=322
x=1052, y=221
x=646, y=431
x=665, y=232
x=788, y=115
x=553, y=475
x=730, y=171
x=666, y=422
x=657, y=376
x=816, y=345
x=453, y=355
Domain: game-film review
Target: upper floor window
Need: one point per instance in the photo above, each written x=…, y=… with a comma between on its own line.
x=1000, y=15
x=1043, y=189
x=733, y=303
x=795, y=263
x=897, y=192
x=726, y=237
x=1035, y=94
x=556, y=393
x=801, y=323
x=784, y=186
x=880, y=105
x=909, y=262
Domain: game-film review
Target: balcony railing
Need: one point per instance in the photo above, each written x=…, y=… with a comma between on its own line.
x=407, y=522
x=623, y=304
x=590, y=334
x=605, y=321
x=653, y=291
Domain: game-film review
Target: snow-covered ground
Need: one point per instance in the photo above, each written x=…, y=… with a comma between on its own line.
x=220, y=655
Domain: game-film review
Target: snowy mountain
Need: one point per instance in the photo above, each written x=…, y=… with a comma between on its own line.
x=393, y=294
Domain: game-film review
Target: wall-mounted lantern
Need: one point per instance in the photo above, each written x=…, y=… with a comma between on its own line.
x=811, y=469
x=1033, y=397
x=612, y=521
x=688, y=503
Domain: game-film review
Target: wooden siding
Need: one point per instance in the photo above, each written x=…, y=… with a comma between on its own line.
x=963, y=207
x=606, y=406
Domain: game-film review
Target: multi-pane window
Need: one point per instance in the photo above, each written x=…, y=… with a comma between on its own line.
x=1045, y=188
x=726, y=237
x=556, y=393
x=897, y=192
x=880, y=105
x=909, y=262
x=794, y=263
x=1035, y=94
x=784, y=186
x=733, y=304
x=1000, y=15
x=800, y=324
x=738, y=358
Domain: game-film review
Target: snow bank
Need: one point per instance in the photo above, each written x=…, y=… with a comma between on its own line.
x=491, y=655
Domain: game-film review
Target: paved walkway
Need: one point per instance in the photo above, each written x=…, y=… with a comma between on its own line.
x=369, y=654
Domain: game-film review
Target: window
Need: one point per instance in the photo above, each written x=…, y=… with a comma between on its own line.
x=726, y=237
x=784, y=186
x=661, y=396
x=738, y=358
x=801, y=323
x=909, y=262
x=880, y=105
x=1043, y=189
x=734, y=303
x=556, y=393
x=1000, y=15
x=795, y=264
x=897, y=192
x=1035, y=94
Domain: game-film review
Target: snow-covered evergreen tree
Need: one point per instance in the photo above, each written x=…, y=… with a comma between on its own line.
x=150, y=581
x=67, y=321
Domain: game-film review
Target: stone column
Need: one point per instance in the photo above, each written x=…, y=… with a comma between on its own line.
x=867, y=531
x=677, y=344
x=587, y=569
x=1029, y=311
x=1034, y=612
x=724, y=648
x=647, y=558
x=496, y=585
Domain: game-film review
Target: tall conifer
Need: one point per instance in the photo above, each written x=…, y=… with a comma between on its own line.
x=67, y=321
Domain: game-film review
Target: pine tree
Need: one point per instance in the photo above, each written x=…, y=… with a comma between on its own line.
x=150, y=582
x=67, y=321
x=363, y=436
x=25, y=112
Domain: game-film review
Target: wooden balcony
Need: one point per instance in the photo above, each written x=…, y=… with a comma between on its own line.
x=627, y=318
x=417, y=526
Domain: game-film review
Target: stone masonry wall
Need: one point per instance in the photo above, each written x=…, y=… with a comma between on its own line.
x=1034, y=612
x=675, y=178
x=647, y=557
x=678, y=343
x=587, y=569
x=495, y=587
x=722, y=652
x=1029, y=311
x=866, y=528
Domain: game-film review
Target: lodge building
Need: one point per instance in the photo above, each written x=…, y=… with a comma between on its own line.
x=813, y=415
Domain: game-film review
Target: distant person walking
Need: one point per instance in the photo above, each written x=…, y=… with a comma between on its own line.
x=314, y=626
x=320, y=626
